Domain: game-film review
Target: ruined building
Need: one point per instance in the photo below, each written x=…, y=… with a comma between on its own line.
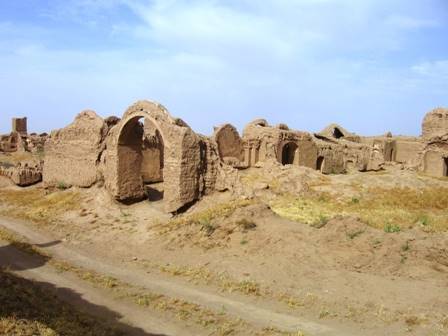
x=29, y=171
x=150, y=154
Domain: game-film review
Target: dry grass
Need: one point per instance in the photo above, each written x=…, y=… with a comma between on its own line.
x=26, y=309
x=377, y=207
x=252, y=177
x=33, y=204
x=205, y=217
x=222, y=280
x=218, y=323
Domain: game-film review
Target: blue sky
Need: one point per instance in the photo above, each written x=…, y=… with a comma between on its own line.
x=370, y=65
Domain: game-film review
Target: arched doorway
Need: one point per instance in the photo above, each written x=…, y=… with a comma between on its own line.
x=153, y=161
x=140, y=161
x=337, y=133
x=289, y=153
x=320, y=163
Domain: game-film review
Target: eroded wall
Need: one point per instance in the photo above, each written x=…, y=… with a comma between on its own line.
x=72, y=153
x=181, y=168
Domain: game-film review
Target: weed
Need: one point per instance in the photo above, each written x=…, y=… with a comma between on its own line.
x=243, y=242
x=354, y=234
x=246, y=224
x=355, y=200
x=207, y=227
x=204, y=218
x=412, y=320
x=62, y=185
x=320, y=222
x=423, y=220
x=405, y=247
x=391, y=228
x=376, y=242
x=323, y=313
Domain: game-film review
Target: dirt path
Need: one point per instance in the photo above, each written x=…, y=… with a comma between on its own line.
x=86, y=298
x=249, y=310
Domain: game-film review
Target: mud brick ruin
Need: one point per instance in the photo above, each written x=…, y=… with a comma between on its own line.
x=27, y=172
x=150, y=154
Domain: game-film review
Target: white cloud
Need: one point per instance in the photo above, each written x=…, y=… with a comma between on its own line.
x=404, y=22
x=432, y=69
x=306, y=62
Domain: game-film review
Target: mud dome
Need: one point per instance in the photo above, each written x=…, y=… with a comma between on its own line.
x=148, y=154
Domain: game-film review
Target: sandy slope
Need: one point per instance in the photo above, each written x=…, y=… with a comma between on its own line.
x=340, y=279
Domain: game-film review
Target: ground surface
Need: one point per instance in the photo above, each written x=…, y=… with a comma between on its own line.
x=294, y=252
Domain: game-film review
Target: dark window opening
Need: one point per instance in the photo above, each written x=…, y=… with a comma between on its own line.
x=445, y=166
x=337, y=133
x=320, y=163
x=288, y=153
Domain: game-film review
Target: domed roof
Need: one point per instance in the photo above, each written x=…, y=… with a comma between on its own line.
x=435, y=123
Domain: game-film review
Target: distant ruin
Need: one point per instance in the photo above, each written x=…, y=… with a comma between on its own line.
x=150, y=154
x=27, y=172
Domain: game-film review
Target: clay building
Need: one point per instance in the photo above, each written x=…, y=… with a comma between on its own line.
x=149, y=154
x=434, y=156
x=30, y=170
x=19, y=125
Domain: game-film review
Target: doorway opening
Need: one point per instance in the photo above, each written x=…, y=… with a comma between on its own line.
x=289, y=153
x=140, y=161
x=320, y=163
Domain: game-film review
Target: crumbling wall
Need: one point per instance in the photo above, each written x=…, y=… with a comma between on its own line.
x=435, y=123
x=23, y=174
x=72, y=153
x=230, y=144
x=13, y=142
x=408, y=152
x=263, y=142
x=434, y=160
x=330, y=159
x=19, y=125
x=434, y=163
x=336, y=132
x=181, y=169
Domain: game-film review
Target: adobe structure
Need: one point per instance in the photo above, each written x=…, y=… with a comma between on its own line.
x=29, y=171
x=148, y=154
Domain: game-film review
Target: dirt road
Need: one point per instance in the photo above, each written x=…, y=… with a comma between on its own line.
x=251, y=311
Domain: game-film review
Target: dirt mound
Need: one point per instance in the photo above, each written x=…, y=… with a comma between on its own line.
x=273, y=178
x=360, y=248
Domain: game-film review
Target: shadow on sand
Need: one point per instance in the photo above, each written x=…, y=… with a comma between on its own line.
x=26, y=305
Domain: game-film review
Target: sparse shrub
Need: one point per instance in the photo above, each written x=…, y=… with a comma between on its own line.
x=246, y=224
x=61, y=185
x=207, y=227
x=377, y=242
x=355, y=200
x=320, y=222
x=423, y=220
x=391, y=228
x=324, y=313
x=354, y=234
x=405, y=247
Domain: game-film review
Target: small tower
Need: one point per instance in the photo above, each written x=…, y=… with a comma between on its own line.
x=19, y=125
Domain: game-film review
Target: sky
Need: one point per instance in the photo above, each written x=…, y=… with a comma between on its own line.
x=370, y=65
